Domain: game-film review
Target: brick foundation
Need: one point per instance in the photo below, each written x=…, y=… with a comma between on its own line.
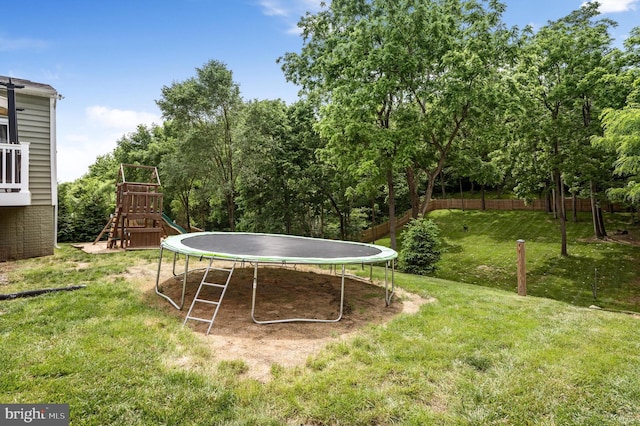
x=26, y=232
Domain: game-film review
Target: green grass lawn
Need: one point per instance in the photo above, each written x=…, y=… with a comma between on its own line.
x=485, y=254
x=475, y=356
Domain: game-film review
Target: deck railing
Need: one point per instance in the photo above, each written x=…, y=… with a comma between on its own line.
x=14, y=174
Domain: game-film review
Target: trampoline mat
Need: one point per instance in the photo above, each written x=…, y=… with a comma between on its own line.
x=282, y=246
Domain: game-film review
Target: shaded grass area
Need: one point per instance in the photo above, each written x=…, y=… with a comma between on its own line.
x=484, y=253
x=474, y=356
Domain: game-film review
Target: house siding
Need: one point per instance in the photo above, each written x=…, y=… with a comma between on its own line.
x=29, y=231
x=34, y=124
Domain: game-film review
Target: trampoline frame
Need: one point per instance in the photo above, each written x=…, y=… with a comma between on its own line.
x=174, y=244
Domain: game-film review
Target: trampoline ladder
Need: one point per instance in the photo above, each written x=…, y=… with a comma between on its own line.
x=198, y=299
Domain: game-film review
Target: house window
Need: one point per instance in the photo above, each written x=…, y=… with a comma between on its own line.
x=4, y=130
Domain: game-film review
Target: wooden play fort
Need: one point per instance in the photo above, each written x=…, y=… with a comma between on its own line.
x=137, y=220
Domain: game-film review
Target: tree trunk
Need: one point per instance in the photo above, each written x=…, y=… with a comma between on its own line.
x=548, y=198
x=424, y=208
x=442, y=189
x=482, y=191
x=413, y=192
x=392, y=208
x=231, y=211
x=574, y=207
x=603, y=230
x=597, y=230
x=184, y=198
x=559, y=209
x=340, y=215
x=563, y=209
x=373, y=212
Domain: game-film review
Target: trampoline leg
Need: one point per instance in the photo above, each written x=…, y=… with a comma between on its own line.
x=389, y=295
x=253, y=304
x=253, y=293
x=173, y=270
x=184, y=281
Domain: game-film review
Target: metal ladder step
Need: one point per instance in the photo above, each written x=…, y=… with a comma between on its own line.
x=214, y=285
x=216, y=302
x=199, y=319
x=211, y=302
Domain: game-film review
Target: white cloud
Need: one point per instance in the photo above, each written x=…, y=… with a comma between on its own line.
x=614, y=6
x=290, y=11
x=77, y=138
x=95, y=136
x=115, y=118
x=11, y=44
x=294, y=30
x=273, y=8
x=74, y=161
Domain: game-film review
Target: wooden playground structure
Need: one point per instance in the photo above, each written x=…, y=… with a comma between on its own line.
x=137, y=222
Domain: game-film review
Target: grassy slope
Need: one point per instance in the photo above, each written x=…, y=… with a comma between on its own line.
x=485, y=254
x=475, y=356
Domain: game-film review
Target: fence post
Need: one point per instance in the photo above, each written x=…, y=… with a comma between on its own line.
x=522, y=272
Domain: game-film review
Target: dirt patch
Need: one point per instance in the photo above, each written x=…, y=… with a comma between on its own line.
x=281, y=293
x=97, y=248
x=5, y=269
x=628, y=239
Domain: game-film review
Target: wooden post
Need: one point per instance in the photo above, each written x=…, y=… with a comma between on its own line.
x=522, y=272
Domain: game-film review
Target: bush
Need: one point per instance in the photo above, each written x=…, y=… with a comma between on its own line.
x=421, y=247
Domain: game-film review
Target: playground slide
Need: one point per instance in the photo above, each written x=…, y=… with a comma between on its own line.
x=172, y=225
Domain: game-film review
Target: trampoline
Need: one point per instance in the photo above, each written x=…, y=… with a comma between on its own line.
x=267, y=249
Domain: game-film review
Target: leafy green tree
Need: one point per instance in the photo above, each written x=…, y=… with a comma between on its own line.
x=145, y=146
x=267, y=171
x=181, y=170
x=205, y=111
x=622, y=133
x=84, y=208
x=564, y=63
x=341, y=65
x=455, y=80
x=398, y=81
x=317, y=181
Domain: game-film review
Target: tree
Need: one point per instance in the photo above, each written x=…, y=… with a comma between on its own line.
x=266, y=196
x=397, y=81
x=564, y=63
x=622, y=134
x=421, y=247
x=622, y=126
x=205, y=110
x=455, y=79
x=145, y=146
x=181, y=170
x=84, y=208
x=342, y=65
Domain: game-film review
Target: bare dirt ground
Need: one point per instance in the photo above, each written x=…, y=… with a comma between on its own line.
x=303, y=292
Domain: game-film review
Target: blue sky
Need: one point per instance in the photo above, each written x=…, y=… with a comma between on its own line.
x=110, y=60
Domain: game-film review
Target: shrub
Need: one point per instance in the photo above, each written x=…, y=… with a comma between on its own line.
x=420, y=247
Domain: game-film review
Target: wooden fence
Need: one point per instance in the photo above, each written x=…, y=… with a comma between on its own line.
x=382, y=230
